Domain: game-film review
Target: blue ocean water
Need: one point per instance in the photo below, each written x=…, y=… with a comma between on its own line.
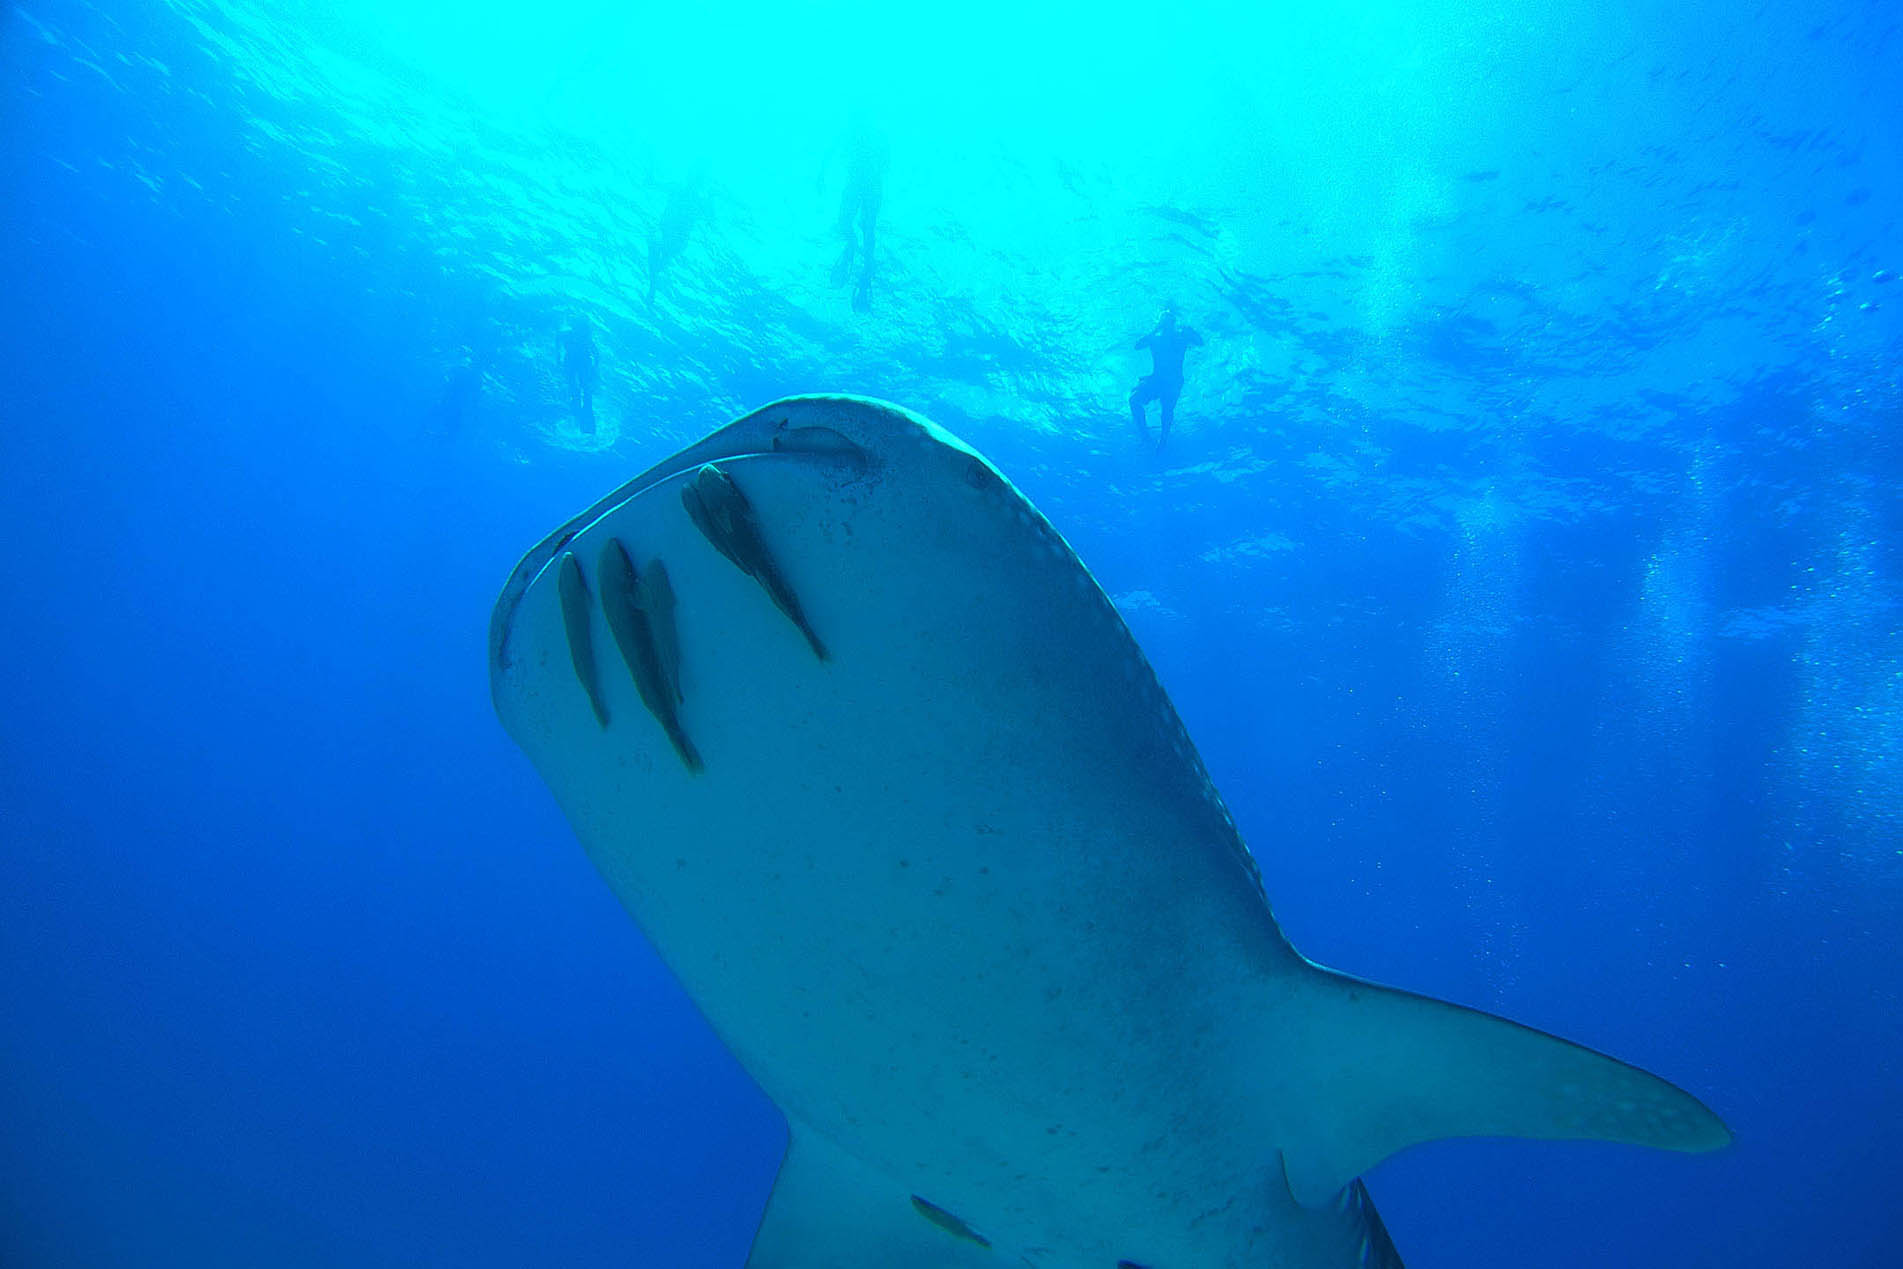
x=1524, y=562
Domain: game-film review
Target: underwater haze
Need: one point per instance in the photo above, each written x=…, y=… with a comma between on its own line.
x=1525, y=559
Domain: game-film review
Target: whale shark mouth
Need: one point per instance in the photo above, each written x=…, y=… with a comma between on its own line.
x=753, y=440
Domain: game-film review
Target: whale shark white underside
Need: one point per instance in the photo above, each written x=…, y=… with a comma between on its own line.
x=880, y=772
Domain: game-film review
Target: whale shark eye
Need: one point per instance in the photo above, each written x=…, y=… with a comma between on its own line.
x=979, y=475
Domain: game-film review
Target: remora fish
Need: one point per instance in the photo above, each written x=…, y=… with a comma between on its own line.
x=645, y=650
x=576, y=620
x=721, y=512
x=965, y=904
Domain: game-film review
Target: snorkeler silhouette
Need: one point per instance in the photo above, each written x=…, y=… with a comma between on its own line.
x=581, y=365
x=867, y=156
x=686, y=204
x=457, y=408
x=1167, y=344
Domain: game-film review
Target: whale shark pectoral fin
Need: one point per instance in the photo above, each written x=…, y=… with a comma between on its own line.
x=1387, y=1069
x=830, y=1211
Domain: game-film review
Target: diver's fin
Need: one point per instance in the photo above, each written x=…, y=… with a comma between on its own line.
x=829, y=1211
x=1387, y=1069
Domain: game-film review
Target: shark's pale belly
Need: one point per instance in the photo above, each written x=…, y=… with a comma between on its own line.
x=958, y=895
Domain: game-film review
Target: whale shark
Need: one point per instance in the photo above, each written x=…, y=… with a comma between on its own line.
x=884, y=778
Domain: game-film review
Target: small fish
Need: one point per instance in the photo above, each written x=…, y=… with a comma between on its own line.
x=634, y=634
x=654, y=596
x=824, y=442
x=581, y=643
x=947, y=1222
x=725, y=517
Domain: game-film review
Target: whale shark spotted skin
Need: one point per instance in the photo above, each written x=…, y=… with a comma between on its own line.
x=903, y=806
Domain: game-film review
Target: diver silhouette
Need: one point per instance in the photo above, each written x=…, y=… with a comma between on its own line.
x=867, y=156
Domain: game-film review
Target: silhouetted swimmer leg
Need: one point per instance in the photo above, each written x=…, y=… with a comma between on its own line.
x=1166, y=406
x=842, y=267
x=1144, y=393
x=868, y=221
